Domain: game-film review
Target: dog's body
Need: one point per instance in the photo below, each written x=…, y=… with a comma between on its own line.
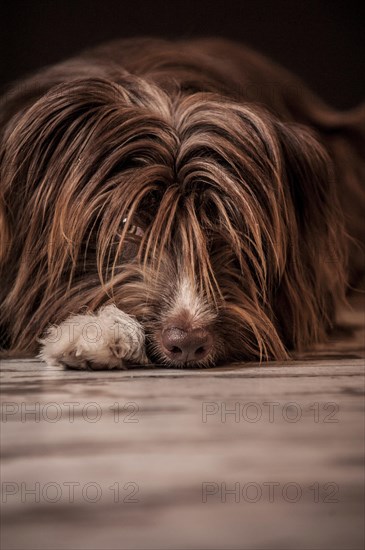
x=179, y=202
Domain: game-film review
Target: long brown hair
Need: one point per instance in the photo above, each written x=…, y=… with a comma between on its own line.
x=120, y=172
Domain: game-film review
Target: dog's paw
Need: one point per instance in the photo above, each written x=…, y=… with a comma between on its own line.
x=108, y=339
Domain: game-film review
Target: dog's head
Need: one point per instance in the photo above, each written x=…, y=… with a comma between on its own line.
x=209, y=220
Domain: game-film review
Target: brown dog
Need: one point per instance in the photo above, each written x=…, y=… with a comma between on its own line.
x=178, y=202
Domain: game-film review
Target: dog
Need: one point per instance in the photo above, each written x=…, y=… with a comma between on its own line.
x=185, y=203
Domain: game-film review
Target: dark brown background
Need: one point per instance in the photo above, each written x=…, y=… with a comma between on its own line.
x=320, y=40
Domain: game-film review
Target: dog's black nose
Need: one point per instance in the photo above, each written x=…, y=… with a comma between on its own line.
x=183, y=346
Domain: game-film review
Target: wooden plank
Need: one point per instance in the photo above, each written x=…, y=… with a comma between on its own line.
x=237, y=457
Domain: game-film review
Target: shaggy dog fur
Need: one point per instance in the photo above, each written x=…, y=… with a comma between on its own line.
x=182, y=202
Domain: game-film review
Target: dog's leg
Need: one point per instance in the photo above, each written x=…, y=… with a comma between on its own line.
x=107, y=340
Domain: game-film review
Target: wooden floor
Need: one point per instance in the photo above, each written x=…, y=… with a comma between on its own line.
x=236, y=457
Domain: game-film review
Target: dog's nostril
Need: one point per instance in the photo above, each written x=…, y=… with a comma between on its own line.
x=181, y=345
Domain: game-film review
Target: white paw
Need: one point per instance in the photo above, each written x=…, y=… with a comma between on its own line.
x=106, y=340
